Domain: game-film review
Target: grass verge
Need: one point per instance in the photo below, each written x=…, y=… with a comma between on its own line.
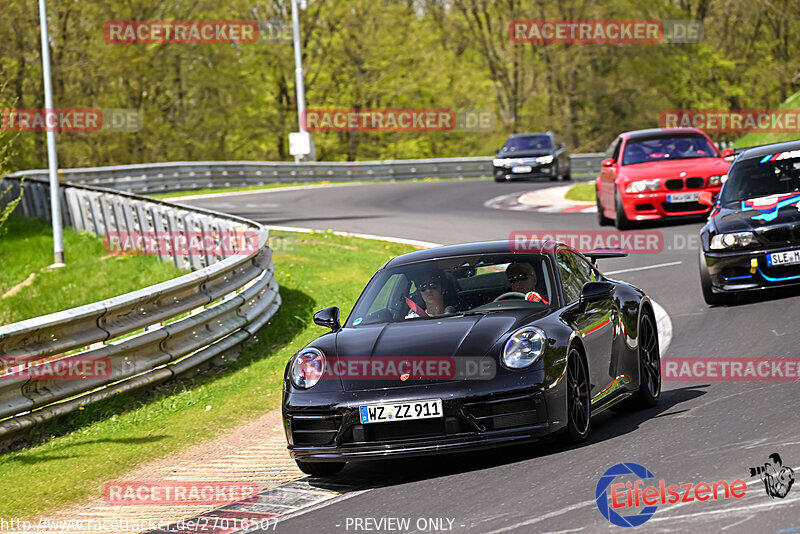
x=26, y=249
x=70, y=459
x=207, y=191
x=763, y=138
x=581, y=192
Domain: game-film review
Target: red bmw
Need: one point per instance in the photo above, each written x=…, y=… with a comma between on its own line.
x=657, y=174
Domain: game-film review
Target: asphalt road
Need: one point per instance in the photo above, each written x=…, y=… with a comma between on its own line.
x=700, y=432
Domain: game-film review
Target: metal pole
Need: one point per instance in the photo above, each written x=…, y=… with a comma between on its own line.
x=52, y=158
x=298, y=70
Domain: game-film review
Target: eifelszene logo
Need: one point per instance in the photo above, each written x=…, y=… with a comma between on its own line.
x=611, y=499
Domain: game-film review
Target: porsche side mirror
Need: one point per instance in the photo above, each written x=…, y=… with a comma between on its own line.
x=728, y=152
x=329, y=318
x=706, y=198
x=608, y=162
x=496, y=150
x=596, y=291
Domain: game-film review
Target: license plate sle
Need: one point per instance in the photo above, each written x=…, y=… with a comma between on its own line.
x=400, y=411
x=682, y=197
x=790, y=257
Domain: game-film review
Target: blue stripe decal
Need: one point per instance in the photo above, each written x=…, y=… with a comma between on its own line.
x=738, y=277
x=766, y=158
x=783, y=279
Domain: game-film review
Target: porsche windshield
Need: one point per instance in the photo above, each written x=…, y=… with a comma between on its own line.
x=751, y=178
x=453, y=286
x=667, y=148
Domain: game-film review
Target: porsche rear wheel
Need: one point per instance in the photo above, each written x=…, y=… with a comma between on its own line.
x=578, y=400
x=320, y=469
x=649, y=364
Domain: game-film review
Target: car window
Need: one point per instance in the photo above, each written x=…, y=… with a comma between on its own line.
x=530, y=142
x=667, y=148
x=761, y=177
x=574, y=271
x=452, y=286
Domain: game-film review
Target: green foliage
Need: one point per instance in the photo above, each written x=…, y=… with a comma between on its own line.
x=583, y=192
x=7, y=206
x=229, y=102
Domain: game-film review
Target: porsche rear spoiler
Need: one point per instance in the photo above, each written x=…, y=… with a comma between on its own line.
x=596, y=253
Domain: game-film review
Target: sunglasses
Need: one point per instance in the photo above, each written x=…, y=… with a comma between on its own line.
x=429, y=285
x=517, y=277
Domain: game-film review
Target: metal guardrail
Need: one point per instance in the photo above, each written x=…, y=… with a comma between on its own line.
x=149, y=336
x=162, y=177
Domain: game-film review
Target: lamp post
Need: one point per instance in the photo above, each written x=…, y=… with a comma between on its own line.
x=300, y=143
x=52, y=157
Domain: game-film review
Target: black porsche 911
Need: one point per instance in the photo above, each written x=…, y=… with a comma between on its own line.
x=751, y=241
x=466, y=347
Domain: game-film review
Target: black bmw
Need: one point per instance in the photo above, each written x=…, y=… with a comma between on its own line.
x=466, y=347
x=751, y=241
x=531, y=155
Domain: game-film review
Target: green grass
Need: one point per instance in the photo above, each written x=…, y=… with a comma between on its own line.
x=27, y=247
x=759, y=138
x=584, y=191
x=77, y=454
x=280, y=186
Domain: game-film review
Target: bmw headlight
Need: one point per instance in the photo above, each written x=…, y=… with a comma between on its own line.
x=502, y=162
x=640, y=186
x=544, y=160
x=735, y=240
x=524, y=348
x=717, y=179
x=307, y=368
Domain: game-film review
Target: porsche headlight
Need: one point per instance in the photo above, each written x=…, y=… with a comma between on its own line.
x=735, y=240
x=502, y=162
x=523, y=348
x=307, y=368
x=544, y=160
x=639, y=186
x=717, y=179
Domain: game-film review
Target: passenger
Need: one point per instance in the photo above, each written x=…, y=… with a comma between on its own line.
x=430, y=285
x=522, y=278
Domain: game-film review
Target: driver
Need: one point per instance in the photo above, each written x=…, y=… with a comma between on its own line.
x=522, y=278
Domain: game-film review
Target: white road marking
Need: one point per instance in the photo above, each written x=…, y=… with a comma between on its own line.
x=402, y=241
x=664, y=325
x=646, y=267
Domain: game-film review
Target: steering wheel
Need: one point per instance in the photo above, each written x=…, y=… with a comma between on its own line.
x=510, y=295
